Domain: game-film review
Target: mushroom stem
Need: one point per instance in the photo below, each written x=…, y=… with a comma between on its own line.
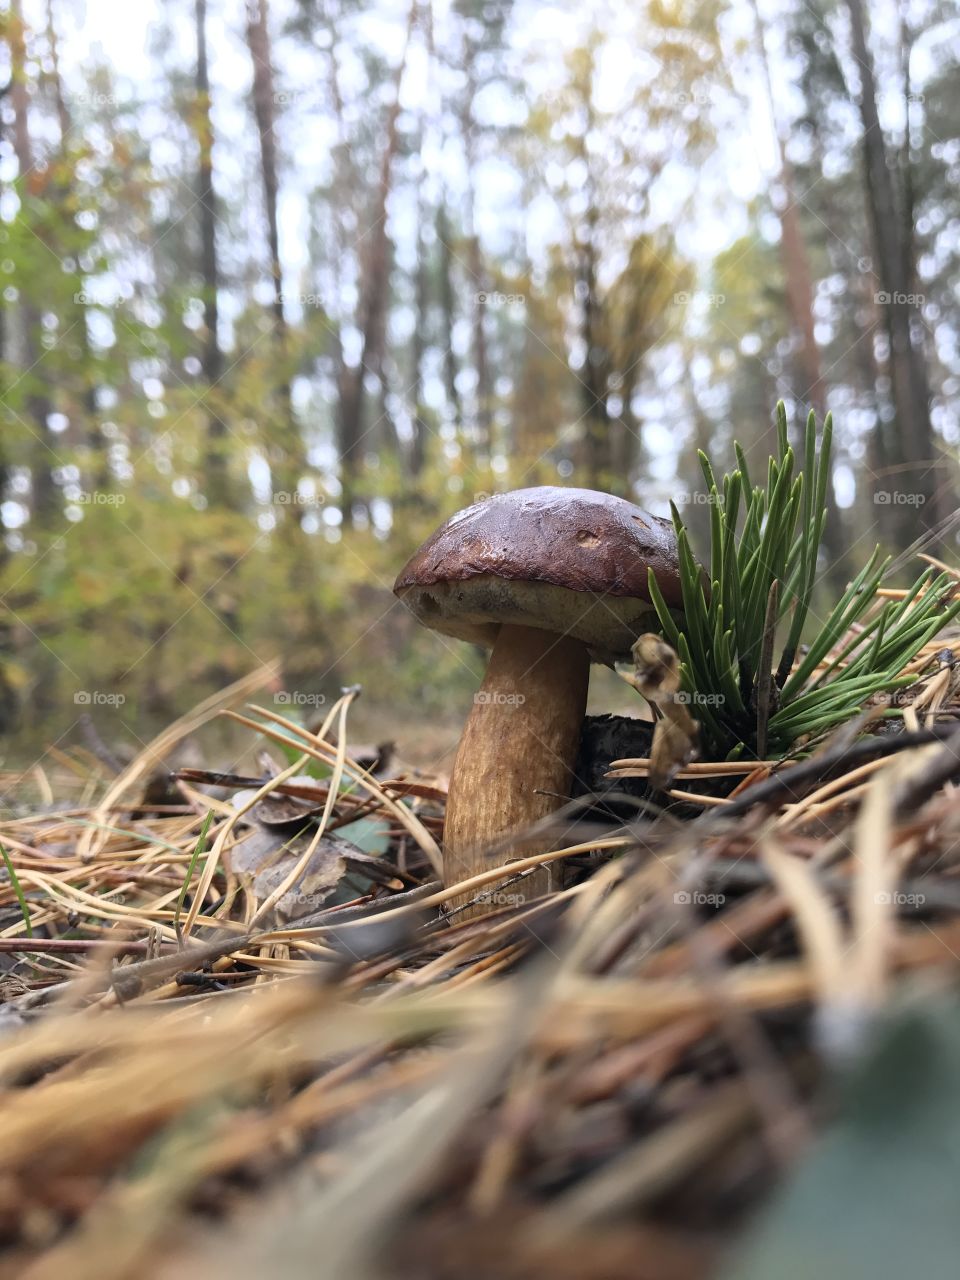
x=516, y=755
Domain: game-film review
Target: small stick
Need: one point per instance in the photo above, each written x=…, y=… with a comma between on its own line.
x=70, y=946
x=698, y=769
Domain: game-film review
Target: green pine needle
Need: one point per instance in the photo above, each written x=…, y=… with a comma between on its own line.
x=765, y=536
x=199, y=848
x=17, y=891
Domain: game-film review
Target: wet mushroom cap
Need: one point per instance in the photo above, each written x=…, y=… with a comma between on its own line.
x=571, y=561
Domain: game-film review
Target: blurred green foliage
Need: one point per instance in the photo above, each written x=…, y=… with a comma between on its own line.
x=260, y=334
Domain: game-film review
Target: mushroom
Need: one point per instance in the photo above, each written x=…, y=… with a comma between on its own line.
x=550, y=579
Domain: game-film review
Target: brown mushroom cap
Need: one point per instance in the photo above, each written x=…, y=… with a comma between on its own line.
x=572, y=561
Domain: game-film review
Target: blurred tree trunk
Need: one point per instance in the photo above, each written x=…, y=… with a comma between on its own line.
x=4, y=91
x=481, y=361
x=594, y=333
x=258, y=42
x=372, y=305
x=4, y=455
x=343, y=181
x=811, y=390
x=418, y=446
x=60, y=101
x=449, y=309
x=212, y=358
x=386, y=440
x=793, y=250
x=627, y=453
x=46, y=502
x=288, y=461
x=919, y=468
x=696, y=515
x=904, y=162
x=264, y=110
x=480, y=282
x=595, y=372
x=7, y=696
x=635, y=310
x=99, y=471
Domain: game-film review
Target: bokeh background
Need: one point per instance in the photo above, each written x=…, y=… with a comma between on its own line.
x=285, y=282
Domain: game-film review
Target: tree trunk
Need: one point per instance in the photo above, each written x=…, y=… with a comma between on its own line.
x=793, y=250
x=418, y=447
x=811, y=390
x=100, y=472
x=449, y=309
x=483, y=421
x=921, y=490
x=212, y=358
x=371, y=310
x=264, y=100
x=46, y=501
x=60, y=101
x=696, y=515
x=481, y=362
x=593, y=376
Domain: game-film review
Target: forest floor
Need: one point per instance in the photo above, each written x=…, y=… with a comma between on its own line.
x=241, y=1034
